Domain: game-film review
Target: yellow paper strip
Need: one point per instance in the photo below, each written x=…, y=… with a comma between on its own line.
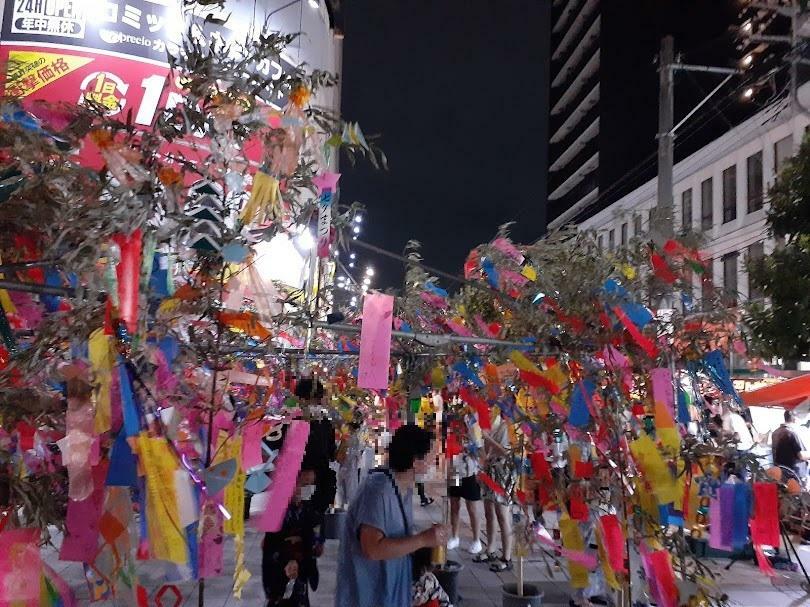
x=655, y=469
x=166, y=538
x=572, y=539
x=102, y=359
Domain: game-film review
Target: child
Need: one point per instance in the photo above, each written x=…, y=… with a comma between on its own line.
x=427, y=592
x=288, y=556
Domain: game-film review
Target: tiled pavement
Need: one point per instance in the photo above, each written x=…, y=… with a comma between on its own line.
x=478, y=587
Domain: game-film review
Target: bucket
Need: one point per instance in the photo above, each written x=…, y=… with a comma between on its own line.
x=447, y=575
x=532, y=596
x=333, y=522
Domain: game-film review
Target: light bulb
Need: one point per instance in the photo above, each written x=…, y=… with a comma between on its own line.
x=747, y=60
x=358, y=218
x=370, y=271
x=748, y=26
x=351, y=265
x=314, y=3
x=748, y=93
x=356, y=229
x=352, y=256
x=366, y=281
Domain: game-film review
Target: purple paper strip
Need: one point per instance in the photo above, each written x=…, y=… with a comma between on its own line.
x=727, y=514
x=716, y=526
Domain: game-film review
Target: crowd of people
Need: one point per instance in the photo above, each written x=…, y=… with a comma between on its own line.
x=375, y=475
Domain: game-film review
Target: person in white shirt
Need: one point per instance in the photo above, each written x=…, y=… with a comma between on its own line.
x=734, y=425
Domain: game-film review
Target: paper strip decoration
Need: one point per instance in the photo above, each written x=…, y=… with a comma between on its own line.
x=656, y=471
x=664, y=397
x=20, y=567
x=211, y=540
x=282, y=486
x=252, y=444
x=122, y=471
x=166, y=537
x=490, y=482
x=644, y=342
x=765, y=523
x=615, y=546
x=572, y=540
x=375, y=341
x=102, y=359
x=82, y=523
x=235, y=492
x=661, y=577
x=128, y=273
x=542, y=472
x=326, y=183
x=479, y=405
x=716, y=526
x=132, y=421
x=581, y=395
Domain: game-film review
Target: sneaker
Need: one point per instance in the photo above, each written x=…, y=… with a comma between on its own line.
x=453, y=543
x=476, y=547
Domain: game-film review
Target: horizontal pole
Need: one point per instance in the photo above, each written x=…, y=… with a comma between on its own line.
x=29, y=287
x=704, y=68
x=438, y=339
x=25, y=265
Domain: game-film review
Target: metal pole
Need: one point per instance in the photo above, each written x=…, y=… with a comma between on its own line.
x=702, y=103
x=662, y=228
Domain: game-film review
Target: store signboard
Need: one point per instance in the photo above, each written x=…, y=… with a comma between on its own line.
x=111, y=51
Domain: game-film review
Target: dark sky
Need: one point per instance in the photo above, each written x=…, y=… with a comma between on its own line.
x=457, y=89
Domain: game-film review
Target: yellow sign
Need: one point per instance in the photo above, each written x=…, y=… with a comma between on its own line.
x=29, y=71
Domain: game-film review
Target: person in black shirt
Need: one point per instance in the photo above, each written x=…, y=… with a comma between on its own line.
x=788, y=449
x=288, y=556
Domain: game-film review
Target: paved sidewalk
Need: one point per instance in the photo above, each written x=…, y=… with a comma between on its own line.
x=478, y=586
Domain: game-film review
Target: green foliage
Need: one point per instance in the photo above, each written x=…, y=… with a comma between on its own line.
x=781, y=326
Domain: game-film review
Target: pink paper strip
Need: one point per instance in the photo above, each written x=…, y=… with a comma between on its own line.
x=212, y=540
x=252, y=444
x=664, y=398
x=80, y=543
x=20, y=567
x=284, y=478
x=375, y=341
x=586, y=559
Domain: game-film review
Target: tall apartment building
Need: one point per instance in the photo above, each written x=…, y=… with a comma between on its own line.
x=604, y=92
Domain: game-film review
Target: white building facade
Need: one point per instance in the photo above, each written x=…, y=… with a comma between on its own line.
x=721, y=192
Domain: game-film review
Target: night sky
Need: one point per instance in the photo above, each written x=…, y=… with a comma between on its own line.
x=458, y=91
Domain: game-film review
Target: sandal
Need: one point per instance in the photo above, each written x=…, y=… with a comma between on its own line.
x=485, y=557
x=501, y=565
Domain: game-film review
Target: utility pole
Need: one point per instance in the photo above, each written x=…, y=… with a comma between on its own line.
x=662, y=228
x=662, y=220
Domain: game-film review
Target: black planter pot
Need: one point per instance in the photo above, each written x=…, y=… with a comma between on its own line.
x=447, y=575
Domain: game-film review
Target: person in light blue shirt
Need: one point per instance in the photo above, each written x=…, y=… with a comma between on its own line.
x=374, y=565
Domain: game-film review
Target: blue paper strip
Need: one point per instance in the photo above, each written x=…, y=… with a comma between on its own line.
x=580, y=415
x=122, y=471
x=132, y=424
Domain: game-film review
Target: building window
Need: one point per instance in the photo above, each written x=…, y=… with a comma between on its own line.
x=624, y=234
x=754, y=175
x=706, y=205
x=612, y=239
x=600, y=240
x=756, y=255
x=730, y=194
x=782, y=151
x=636, y=225
x=707, y=286
x=686, y=210
x=730, y=279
